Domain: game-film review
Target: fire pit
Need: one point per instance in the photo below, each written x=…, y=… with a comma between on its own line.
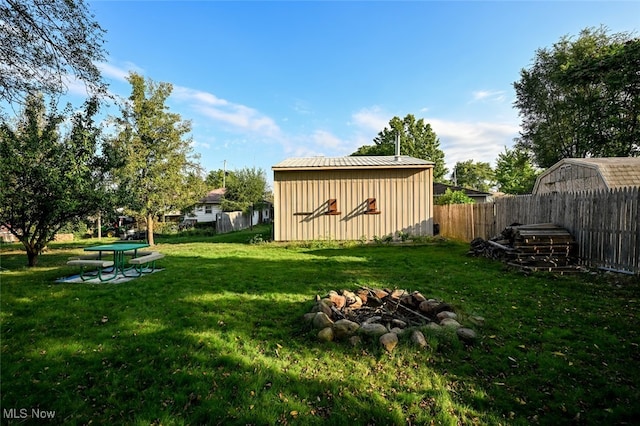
x=383, y=313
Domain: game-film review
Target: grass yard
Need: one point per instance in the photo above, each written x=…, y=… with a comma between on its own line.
x=217, y=338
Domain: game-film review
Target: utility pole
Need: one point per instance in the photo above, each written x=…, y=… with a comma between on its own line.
x=224, y=174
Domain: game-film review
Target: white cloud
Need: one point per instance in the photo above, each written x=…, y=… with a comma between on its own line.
x=119, y=73
x=235, y=117
x=489, y=96
x=478, y=141
x=460, y=140
x=325, y=139
x=373, y=119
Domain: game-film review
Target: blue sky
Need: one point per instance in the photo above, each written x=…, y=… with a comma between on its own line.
x=264, y=81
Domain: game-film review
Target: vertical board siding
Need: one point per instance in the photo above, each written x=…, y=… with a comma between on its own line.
x=604, y=223
x=403, y=197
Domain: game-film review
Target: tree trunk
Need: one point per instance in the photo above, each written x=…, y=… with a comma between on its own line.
x=150, y=230
x=32, y=256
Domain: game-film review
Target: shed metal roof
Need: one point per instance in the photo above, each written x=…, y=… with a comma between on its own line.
x=617, y=172
x=363, y=162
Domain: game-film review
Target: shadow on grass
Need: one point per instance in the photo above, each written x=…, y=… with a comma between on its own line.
x=217, y=337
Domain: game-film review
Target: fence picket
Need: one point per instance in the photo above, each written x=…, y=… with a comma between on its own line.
x=606, y=224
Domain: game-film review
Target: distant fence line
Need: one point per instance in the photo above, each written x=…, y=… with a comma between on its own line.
x=605, y=224
x=232, y=221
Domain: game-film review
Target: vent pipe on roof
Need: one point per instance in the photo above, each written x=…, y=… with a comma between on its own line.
x=397, y=146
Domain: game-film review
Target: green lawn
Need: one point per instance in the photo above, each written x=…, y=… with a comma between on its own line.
x=217, y=338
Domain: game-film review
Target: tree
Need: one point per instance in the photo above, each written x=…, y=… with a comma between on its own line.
x=614, y=127
x=48, y=180
x=478, y=176
x=246, y=190
x=453, y=197
x=44, y=43
x=417, y=139
x=581, y=98
x=159, y=172
x=515, y=172
x=219, y=178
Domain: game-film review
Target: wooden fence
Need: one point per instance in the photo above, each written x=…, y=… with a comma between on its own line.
x=232, y=221
x=605, y=224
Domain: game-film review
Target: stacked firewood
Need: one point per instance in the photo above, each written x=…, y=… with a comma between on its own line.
x=536, y=247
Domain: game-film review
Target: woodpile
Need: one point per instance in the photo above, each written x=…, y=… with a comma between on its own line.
x=536, y=247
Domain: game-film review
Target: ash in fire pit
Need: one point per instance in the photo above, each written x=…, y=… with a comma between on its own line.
x=380, y=313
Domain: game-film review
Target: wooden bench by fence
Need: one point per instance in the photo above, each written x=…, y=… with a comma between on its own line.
x=99, y=264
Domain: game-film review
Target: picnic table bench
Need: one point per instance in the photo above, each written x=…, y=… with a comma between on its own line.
x=95, y=263
x=146, y=263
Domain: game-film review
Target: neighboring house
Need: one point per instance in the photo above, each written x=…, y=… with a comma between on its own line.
x=352, y=198
x=6, y=236
x=208, y=207
x=477, y=196
x=582, y=174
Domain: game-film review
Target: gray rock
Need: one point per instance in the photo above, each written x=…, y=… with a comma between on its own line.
x=418, y=338
x=398, y=323
x=433, y=326
x=308, y=318
x=467, y=335
x=323, y=305
x=396, y=330
x=446, y=314
x=344, y=328
x=355, y=340
x=450, y=323
x=322, y=320
x=372, y=320
x=389, y=341
x=326, y=334
x=373, y=329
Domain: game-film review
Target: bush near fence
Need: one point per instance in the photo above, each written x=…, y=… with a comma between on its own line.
x=605, y=224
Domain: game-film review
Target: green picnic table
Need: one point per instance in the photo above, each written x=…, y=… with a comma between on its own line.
x=118, y=250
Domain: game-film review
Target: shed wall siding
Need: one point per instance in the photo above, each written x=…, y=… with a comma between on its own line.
x=403, y=198
x=571, y=178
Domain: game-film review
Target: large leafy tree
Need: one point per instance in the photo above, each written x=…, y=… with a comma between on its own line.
x=247, y=189
x=417, y=139
x=515, y=172
x=580, y=98
x=219, y=178
x=473, y=175
x=159, y=172
x=46, y=179
x=44, y=43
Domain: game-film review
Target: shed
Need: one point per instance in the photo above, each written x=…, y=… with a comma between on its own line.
x=352, y=198
x=584, y=174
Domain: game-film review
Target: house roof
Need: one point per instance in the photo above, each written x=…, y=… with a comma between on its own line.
x=213, y=197
x=440, y=188
x=354, y=162
x=616, y=172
